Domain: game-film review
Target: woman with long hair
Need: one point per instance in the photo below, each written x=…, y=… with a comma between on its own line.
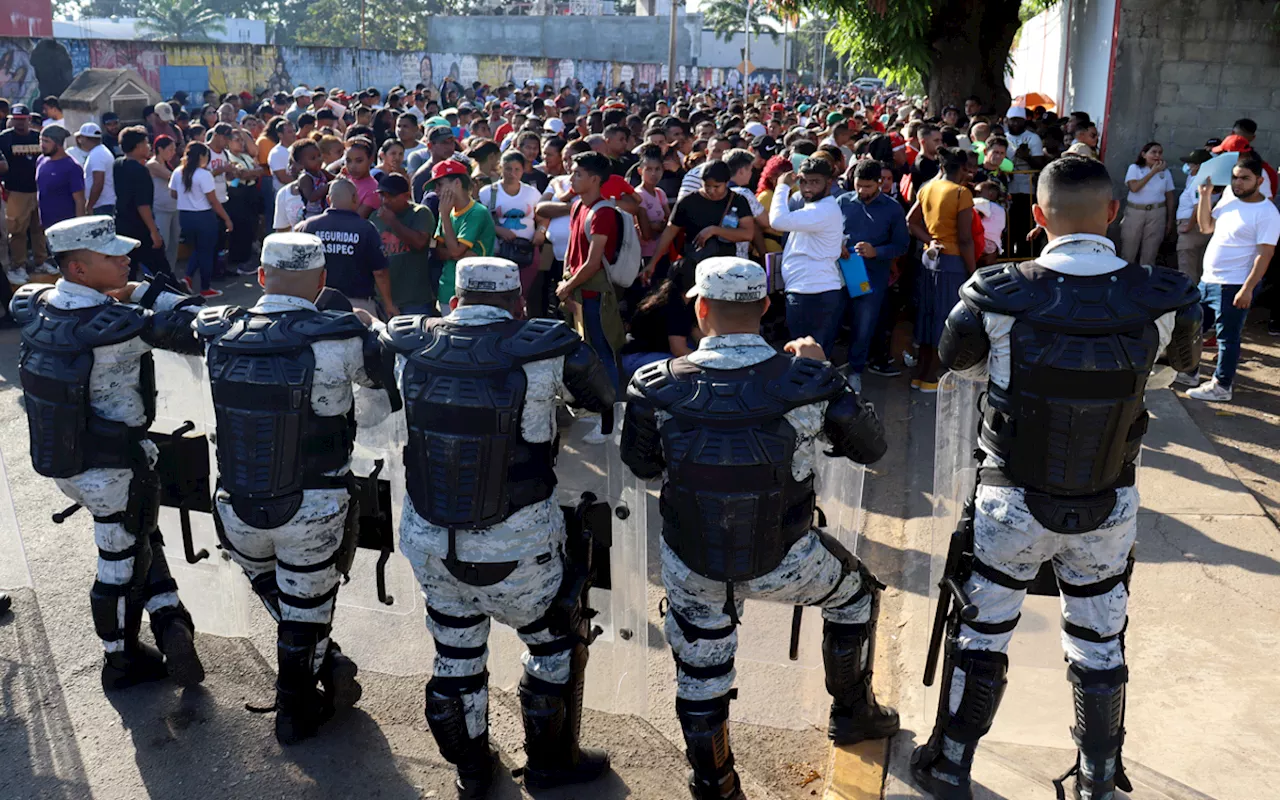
x=390, y=159
x=165, y=207
x=1152, y=207
x=198, y=213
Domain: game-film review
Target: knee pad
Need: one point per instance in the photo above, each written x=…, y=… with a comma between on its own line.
x=985, y=679
x=447, y=719
x=104, y=605
x=705, y=724
x=1099, y=707
x=296, y=650
x=265, y=587
x=846, y=659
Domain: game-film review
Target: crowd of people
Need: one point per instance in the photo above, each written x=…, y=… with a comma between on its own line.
x=865, y=208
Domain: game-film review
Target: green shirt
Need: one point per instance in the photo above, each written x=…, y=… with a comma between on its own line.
x=410, y=277
x=473, y=226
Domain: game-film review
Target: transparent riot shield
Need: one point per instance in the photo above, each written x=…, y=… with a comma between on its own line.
x=13, y=559
x=211, y=585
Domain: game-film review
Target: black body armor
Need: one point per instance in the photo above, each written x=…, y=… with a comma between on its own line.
x=271, y=444
x=55, y=362
x=731, y=508
x=466, y=464
x=1071, y=422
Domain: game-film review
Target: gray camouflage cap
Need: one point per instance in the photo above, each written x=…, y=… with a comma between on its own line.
x=89, y=233
x=484, y=274
x=296, y=252
x=729, y=278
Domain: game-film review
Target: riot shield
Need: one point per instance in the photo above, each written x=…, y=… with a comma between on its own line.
x=211, y=585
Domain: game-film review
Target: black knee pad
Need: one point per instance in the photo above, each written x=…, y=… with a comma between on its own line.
x=268, y=591
x=846, y=659
x=705, y=724
x=985, y=679
x=104, y=606
x=447, y=718
x=1099, y=708
x=295, y=653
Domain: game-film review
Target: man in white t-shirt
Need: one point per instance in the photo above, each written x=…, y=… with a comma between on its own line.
x=1245, y=228
x=219, y=162
x=99, y=165
x=1027, y=152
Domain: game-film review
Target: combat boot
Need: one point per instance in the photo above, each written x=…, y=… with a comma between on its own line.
x=705, y=724
x=552, y=721
x=1099, y=700
x=138, y=663
x=338, y=677
x=301, y=708
x=848, y=652
x=175, y=634
x=473, y=759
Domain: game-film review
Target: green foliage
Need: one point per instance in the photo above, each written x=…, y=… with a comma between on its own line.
x=888, y=38
x=179, y=20
x=728, y=17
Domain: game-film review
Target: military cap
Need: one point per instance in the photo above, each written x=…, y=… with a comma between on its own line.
x=729, y=278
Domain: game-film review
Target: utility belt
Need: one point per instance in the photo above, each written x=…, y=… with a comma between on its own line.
x=1062, y=513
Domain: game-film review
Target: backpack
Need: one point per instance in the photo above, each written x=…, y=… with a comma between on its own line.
x=625, y=267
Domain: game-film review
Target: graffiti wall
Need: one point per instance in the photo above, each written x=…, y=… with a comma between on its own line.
x=31, y=68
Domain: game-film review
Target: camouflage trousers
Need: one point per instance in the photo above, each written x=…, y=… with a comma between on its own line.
x=105, y=494
x=459, y=614
x=704, y=637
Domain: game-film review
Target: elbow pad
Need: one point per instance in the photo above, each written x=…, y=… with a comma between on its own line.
x=379, y=366
x=854, y=430
x=641, y=440
x=587, y=380
x=964, y=340
x=172, y=330
x=1183, y=350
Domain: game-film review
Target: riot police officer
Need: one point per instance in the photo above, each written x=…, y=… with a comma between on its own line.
x=735, y=427
x=88, y=381
x=1066, y=344
x=282, y=375
x=481, y=524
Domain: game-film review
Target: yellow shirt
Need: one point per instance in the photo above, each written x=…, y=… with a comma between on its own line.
x=940, y=202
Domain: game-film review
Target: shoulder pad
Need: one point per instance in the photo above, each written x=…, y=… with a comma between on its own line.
x=538, y=339
x=330, y=325
x=214, y=321
x=1002, y=289
x=26, y=301
x=806, y=381
x=113, y=323
x=1165, y=290
x=408, y=333
x=659, y=384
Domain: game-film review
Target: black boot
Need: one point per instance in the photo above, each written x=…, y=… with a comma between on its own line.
x=552, y=723
x=848, y=652
x=941, y=769
x=473, y=759
x=176, y=636
x=301, y=708
x=5, y=602
x=1098, y=733
x=705, y=724
x=138, y=663
x=338, y=677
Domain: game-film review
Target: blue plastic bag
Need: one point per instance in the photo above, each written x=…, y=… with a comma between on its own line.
x=854, y=270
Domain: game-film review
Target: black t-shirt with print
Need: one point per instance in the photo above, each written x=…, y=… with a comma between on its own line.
x=694, y=212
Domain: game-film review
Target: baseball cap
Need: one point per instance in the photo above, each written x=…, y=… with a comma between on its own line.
x=55, y=132
x=553, y=125
x=393, y=183
x=437, y=133
x=90, y=130
x=834, y=117
x=778, y=108
x=448, y=169
x=19, y=110
x=754, y=129
x=766, y=145
x=436, y=122
x=1233, y=144
x=110, y=116
x=897, y=140
x=89, y=233
x=1016, y=112
x=729, y=278
x=296, y=252
x=487, y=274
x=616, y=186
x=301, y=91
x=164, y=111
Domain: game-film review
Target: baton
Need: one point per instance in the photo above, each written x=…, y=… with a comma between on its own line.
x=797, y=616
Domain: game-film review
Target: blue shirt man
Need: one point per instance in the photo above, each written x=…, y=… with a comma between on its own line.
x=875, y=227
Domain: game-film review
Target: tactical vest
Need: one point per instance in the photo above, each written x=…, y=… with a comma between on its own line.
x=731, y=508
x=466, y=463
x=55, y=362
x=271, y=445
x=1081, y=349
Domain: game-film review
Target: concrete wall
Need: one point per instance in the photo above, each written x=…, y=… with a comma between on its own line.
x=1065, y=52
x=766, y=54
x=1186, y=70
x=614, y=38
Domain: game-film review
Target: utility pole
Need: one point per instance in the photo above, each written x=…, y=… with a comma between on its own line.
x=671, y=55
x=362, y=39
x=823, y=80
x=746, y=59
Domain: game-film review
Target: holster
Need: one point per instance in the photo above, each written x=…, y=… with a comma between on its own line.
x=369, y=526
x=185, y=481
x=587, y=526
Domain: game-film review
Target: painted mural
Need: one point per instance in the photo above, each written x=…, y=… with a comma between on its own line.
x=32, y=68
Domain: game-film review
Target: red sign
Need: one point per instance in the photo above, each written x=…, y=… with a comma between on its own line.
x=32, y=18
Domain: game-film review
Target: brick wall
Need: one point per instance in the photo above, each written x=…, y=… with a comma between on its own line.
x=1186, y=70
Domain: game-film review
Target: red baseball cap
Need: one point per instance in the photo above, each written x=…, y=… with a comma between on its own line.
x=615, y=186
x=1234, y=144
x=896, y=139
x=448, y=169
x=778, y=108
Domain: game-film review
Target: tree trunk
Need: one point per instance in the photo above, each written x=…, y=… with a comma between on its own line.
x=971, y=42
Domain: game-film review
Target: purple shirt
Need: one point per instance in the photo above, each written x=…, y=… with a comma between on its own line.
x=56, y=182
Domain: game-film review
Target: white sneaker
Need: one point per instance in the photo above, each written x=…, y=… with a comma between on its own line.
x=48, y=268
x=18, y=275
x=596, y=435
x=1187, y=379
x=1211, y=391
x=908, y=359
x=855, y=380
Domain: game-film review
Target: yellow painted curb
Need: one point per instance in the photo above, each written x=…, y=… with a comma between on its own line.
x=857, y=772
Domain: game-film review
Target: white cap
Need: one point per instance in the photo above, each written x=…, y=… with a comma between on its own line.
x=1016, y=112
x=736, y=280
x=301, y=91
x=487, y=274
x=754, y=129
x=553, y=125
x=296, y=252
x=91, y=130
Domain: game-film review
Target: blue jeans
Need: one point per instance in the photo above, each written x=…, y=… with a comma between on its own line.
x=864, y=314
x=817, y=315
x=200, y=230
x=108, y=210
x=427, y=309
x=267, y=186
x=634, y=361
x=596, y=338
x=1218, y=300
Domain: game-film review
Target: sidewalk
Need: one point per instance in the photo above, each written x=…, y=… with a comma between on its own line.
x=1201, y=642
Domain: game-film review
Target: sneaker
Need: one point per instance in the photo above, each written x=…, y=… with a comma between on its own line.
x=915, y=383
x=884, y=370
x=1187, y=379
x=17, y=275
x=48, y=268
x=1211, y=342
x=596, y=435
x=187, y=283
x=927, y=387
x=1273, y=327
x=909, y=359
x=247, y=268
x=855, y=380
x=1211, y=391
x=211, y=293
